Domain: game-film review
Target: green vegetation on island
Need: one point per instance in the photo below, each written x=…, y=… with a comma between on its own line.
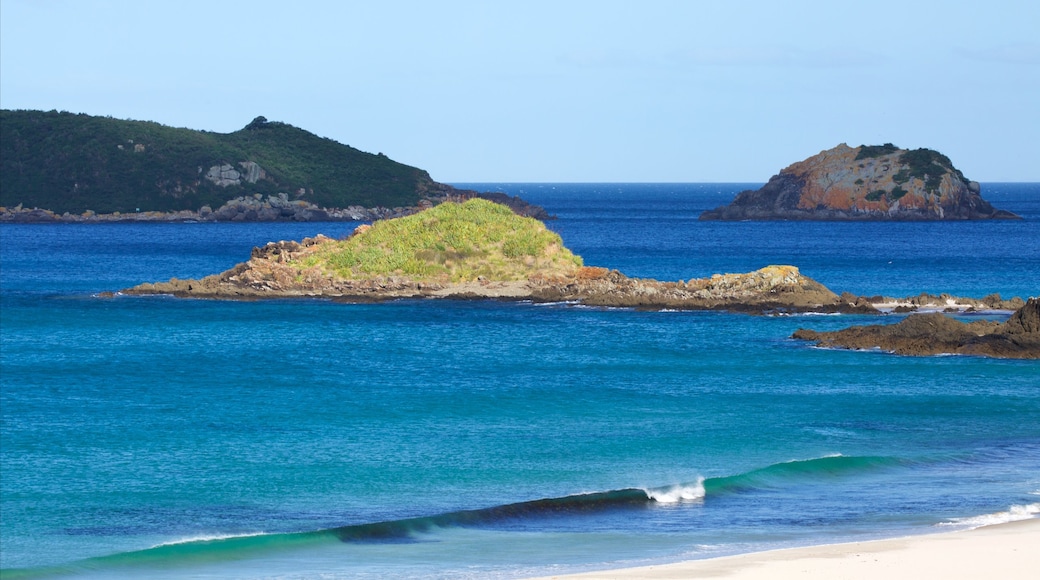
x=872, y=151
x=927, y=165
x=451, y=242
x=67, y=162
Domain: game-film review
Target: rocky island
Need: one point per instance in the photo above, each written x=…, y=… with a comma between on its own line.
x=879, y=182
x=480, y=249
x=935, y=333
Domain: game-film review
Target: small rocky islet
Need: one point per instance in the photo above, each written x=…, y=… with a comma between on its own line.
x=482, y=250
x=934, y=333
x=865, y=183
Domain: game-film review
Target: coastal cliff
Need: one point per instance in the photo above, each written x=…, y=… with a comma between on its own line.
x=880, y=182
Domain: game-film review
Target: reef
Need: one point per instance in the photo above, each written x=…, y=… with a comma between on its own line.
x=936, y=333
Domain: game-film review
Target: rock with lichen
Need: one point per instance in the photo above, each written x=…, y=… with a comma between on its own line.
x=879, y=182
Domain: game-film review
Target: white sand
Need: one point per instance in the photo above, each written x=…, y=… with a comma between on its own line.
x=1001, y=552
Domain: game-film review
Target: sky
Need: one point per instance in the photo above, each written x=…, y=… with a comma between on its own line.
x=555, y=91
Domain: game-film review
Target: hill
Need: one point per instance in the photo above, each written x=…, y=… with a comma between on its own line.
x=869, y=182
x=67, y=162
x=450, y=242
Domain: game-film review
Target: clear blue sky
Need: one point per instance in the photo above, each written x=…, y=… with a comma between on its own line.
x=558, y=90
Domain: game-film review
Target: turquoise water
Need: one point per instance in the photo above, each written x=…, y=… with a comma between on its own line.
x=161, y=437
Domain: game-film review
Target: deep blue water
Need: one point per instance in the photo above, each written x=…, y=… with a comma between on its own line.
x=190, y=438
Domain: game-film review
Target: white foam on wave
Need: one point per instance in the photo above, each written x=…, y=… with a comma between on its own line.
x=1012, y=514
x=556, y=303
x=678, y=493
x=207, y=537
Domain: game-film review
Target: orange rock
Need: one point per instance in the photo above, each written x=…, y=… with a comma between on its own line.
x=875, y=182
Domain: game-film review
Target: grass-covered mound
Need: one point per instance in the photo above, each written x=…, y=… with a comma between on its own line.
x=450, y=242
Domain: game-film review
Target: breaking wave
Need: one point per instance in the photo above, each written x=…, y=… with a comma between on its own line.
x=232, y=547
x=1012, y=514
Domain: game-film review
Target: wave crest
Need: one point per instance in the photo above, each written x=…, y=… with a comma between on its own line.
x=678, y=493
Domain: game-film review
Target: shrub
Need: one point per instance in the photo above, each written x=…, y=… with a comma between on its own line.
x=871, y=151
x=928, y=166
x=451, y=241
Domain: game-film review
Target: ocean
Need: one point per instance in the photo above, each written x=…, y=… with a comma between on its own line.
x=173, y=438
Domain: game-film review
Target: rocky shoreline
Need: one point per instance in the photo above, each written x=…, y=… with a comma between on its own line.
x=271, y=273
x=935, y=333
x=925, y=302
x=268, y=275
x=273, y=208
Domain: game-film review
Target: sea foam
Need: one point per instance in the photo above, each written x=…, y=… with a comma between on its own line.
x=1012, y=514
x=678, y=493
x=202, y=539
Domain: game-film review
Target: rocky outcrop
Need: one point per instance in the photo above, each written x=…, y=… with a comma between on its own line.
x=253, y=208
x=864, y=183
x=272, y=208
x=223, y=175
x=257, y=209
x=936, y=333
x=769, y=290
x=925, y=302
x=451, y=245
x=226, y=175
x=269, y=274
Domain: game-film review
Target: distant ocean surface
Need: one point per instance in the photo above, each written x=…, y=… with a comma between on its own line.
x=170, y=438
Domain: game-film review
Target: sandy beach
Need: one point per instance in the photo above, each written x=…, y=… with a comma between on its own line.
x=1009, y=551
